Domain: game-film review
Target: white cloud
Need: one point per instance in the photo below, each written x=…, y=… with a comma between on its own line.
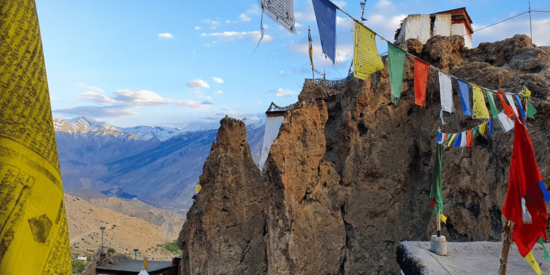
x=517, y=26
x=281, y=92
x=383, y=3
x=282, y=73
x=166, y=35
x=199, y=94
x=344, y=52
x=197, y=27
x=217, y=79
x=129, y=98
x=340, y=4
x=244, y=18
x=253, y=36
x=254, y=9
x=97, y=111
x=377, y=18
x=219, y=92
x=95, y=89
x=197, y=83
x=257, y=102
x=227, y=21
x=213, y=23
x=343, y=22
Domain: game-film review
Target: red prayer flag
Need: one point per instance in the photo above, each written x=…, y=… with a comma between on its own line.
x=469, y=135
x=524, y=177
x=507, y=108
x=421, y=71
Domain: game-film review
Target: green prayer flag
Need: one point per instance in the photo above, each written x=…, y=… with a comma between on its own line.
x=436, y=193
x=475, y=132
x=545, y=252
x=531, y=111
x=491, y=100
x=396, y=61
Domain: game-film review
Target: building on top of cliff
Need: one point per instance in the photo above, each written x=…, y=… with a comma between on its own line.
x=445, y=23
x=275, y=117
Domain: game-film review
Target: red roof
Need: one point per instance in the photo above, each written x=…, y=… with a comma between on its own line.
x=463, y=12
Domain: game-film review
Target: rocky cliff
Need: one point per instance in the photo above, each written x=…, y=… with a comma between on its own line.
x=348, y=177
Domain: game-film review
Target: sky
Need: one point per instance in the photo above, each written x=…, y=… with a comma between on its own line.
x=175, y=63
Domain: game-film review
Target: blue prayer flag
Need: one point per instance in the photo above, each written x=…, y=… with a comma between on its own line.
x=490, y=125
x=465, y=97
x=545, y=193
x=518, y=100
x=458, y=140
x=439, y=138
x=325, y=12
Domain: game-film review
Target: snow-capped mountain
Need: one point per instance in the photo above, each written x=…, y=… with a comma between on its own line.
x=157, y=165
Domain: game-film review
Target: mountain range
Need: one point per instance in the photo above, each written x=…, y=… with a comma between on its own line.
x=157, y=165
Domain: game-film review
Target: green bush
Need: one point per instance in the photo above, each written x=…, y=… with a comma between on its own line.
x=171, y=247
x=112, y=250
x=78, y=266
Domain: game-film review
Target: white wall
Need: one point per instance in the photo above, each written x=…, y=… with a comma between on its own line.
x=272, y=126
x=442, y=25
x=460, y=29
x=418, y=26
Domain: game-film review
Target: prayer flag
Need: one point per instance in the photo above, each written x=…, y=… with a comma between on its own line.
x=421, y=72
x=463, y=139
x=523, y=183
x=436, y=193
x=465, y=97
x=310, y=48
x=505, y=122
x=446, y=94
x=507, y=108
x=526, y=93
x=34, y=236
x=280, y=11
x=366, y=60
x=451, y=140
x=325, y=13
x=520, y=108
x=458, y=140
x=510, y=99
x=469, y=137
x=491, y=125
x=531, y=111
x=480, y=109
x=533, y=262
x=545, y=252
x=396, y=62
x=491, y=100
x=483, y=128
x=439, y=138
x=442, y=218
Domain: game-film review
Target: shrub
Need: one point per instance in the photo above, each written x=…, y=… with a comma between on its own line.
x=78, y=266
x=112, y=250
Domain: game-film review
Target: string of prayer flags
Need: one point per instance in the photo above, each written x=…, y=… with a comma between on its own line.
x=492, y=105
x=366, y=60
x=396, y=62
x=480, y=109
x=310, y=49
x=545, y=252
x=436, y=193
x=523, y=183
x=446, y=94
x=507, y=108
x=505, y=122
x=518, y=101
x=421, y=72
x=464, y=88
x=325, y=13
x=280, y=11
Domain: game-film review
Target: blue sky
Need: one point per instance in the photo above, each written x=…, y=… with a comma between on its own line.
x=173, y=62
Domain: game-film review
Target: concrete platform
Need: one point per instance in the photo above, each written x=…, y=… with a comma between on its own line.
x=415, y=258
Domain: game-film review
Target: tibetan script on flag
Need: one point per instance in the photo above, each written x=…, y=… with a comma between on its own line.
x=366, y=60
x=280, y=11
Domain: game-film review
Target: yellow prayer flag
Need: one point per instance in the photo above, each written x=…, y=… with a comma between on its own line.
x=34, y=237
x=480, y=108
x=366, y=60
x=526, y=93
x=482, y=129
x=442, y=218
x=451, y=140
x=533, y=263
x=198, y=188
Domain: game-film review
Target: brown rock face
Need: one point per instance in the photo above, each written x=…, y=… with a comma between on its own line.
x=224, y=231
x=348, y=177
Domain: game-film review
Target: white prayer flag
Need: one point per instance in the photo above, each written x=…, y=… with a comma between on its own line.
x=280, y=11
x=506, y=123
x=510, y=99
x=446, y=94
x=464, y=139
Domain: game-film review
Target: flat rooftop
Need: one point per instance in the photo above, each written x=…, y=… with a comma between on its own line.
x=464, y=258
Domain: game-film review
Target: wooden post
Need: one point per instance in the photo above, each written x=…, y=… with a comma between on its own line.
x=506, y=242
x=438, y=224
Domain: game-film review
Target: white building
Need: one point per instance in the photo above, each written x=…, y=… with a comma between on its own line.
x=275, y=117
x=445, y=23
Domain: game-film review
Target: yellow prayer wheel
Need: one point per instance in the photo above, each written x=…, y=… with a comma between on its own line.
x=145, y=263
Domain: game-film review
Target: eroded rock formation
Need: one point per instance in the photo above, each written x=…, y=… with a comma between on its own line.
x=348, y=177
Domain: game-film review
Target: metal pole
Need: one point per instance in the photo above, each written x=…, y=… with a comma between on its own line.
x=438, y=224
x=102, y=228
x=530, y=23
x=135, y=251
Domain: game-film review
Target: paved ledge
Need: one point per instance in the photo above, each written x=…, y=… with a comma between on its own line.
x=415, y=258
